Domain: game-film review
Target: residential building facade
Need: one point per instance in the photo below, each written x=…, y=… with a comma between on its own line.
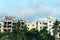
x=7, y=23
x=42, y=23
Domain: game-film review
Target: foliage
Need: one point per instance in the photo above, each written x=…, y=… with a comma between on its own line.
x=55, y=27
x=24, y=34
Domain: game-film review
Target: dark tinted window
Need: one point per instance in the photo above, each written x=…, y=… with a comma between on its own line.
x=44, y=23
x=49, y=21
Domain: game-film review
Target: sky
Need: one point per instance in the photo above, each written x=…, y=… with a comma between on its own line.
x=30, y=9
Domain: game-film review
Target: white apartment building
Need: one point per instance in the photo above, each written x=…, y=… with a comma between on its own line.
x=22, y=23
x=31, y=25
x=39, y=24
x=6, y=24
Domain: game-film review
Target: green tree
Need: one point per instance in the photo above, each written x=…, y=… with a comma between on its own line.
x=55, y=27
x=16, y=29
x=20, y=32
x=31, y=34
x=44, y=35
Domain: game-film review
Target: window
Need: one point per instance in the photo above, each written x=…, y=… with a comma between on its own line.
x=49, y=21
x=5, y=23
x=21, y=26
x=50, y=25
x=49, y=29
x=0, y=23
x=9, y=30
x=33, y=25
x=28, y=28
x=14, y=23
x=59, y=34
x=28, y=24
x=40, y=23
x=9, y=22
x=22, y=23
x=4, y=26
x=9, y=26
x=44, y=23
x=21, y=20
x=4, y=29
x=40, y=27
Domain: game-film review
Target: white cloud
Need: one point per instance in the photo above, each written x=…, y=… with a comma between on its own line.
x=34, y=11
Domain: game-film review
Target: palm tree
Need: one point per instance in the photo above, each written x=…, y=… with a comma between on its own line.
x=55, y=27
x=20, y=33
x=16, y=28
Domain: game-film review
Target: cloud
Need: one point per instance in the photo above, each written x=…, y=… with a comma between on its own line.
x=32, y=10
